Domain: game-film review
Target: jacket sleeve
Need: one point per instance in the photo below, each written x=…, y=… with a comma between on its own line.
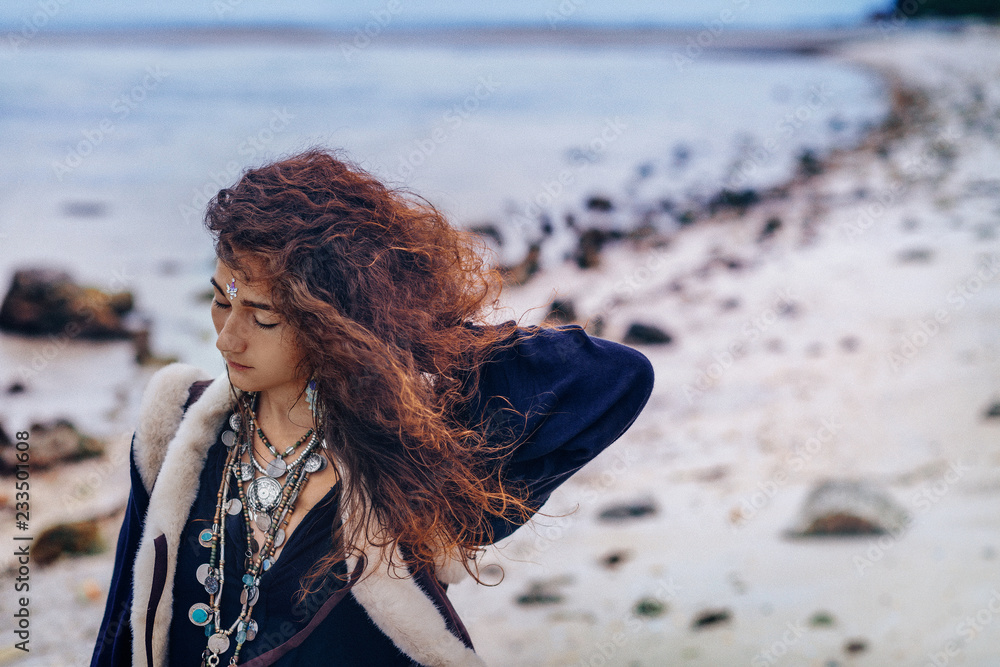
x=562, y=396
x=114, y=641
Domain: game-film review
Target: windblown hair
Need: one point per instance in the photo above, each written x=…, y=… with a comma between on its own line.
x=380, y=291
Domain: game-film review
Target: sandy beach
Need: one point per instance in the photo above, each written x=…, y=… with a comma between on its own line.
x=843, y=328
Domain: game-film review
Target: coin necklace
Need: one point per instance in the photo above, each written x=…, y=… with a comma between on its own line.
x=258, y=558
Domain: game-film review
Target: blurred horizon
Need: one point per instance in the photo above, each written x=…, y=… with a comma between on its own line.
x=62, y=15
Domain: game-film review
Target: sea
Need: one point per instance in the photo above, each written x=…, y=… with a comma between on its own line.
x=118, y=123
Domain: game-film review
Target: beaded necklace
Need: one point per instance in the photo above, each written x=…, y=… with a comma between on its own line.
x=267, y=503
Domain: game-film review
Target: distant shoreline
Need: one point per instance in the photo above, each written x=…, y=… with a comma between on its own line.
x=717, y=38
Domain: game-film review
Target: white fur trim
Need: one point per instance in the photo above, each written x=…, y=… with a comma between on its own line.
x=159, y=415
x=408, y=617
x=169, y=505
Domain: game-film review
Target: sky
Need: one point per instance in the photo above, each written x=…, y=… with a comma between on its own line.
x=17, y=15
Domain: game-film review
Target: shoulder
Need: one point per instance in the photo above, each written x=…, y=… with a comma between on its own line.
x=160, y=414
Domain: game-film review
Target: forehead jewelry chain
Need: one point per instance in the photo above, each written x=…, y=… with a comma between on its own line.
x=231, y=288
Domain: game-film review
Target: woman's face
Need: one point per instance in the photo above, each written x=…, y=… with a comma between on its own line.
x=258, y=346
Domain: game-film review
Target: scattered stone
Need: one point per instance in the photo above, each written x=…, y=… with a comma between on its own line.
x=615, y=559
x=650, y=608
x=626, y=511
x=646, y=334
x=732, y=303
x=822, y=619
x=847, y=508
x=993, y=411
x=561, y=311
x=601, y=204
x=85, y=209
x=770, y=227
x=44, y=301
x=75, y=539
x=489, y=230
x=855, y=646
x=850, y=343
x=809, y=164
x=16, y=388
x=541, y=593
x=738, y=200
x=916, y=256
x=51, y=443
x=520, y=273
x=711, y=617
x=588, y=251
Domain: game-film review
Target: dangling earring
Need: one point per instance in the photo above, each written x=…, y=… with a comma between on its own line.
x=311, y=395
x=317, y=412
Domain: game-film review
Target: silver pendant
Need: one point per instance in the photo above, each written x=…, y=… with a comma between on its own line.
x=205, y=538
x=234, y=506
x=263, y=521
x=249, y=596
x=276, y=468
x=218, y=643
x=235, y=421
x=211, y=584
x=315, y=463
x=263, y=494
x=279, y=537
x=228, y=438
x=246, y=472
x=251, y=629
x=200, y=614
x=203, y=572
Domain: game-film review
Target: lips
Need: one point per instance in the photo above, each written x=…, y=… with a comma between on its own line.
x=237, y=367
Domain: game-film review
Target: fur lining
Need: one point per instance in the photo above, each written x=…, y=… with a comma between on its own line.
x=398, y=606
x=169, y=505
x=159, y=415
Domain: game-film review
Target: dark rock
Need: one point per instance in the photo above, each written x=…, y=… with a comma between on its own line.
x=732, y=303
x=993, y=411
x=85, y=209
x=541, y=593
x=916, y=256
x=615, y=559
x=16, y=388
x=770, y=227
x=490, y=230
x=646, y=334
x=520, y=273
x=855, y=646
x=75, y=539
x=52, y=443
x=561, y=311
x=809, y=164
x=711, y=617
x=600, y=204
x=626, y=511
x=650, y=608
x=588, y=251
x=821, y=619
x=849, y=508
x=43, y=302
x=740, y=200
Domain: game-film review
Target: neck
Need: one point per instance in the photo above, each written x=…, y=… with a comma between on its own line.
x=283, y=412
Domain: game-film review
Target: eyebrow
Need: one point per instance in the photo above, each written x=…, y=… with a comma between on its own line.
x=246, y=302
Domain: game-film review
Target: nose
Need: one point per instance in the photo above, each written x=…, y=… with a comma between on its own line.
x=230, y=340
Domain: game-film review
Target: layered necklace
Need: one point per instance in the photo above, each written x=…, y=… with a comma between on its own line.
x=265, y=502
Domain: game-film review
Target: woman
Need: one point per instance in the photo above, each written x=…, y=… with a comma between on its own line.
x=369, y=436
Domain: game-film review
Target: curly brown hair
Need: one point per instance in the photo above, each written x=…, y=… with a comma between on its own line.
x=381, y=291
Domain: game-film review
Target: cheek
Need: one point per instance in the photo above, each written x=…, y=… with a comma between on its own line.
x=218, y=319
